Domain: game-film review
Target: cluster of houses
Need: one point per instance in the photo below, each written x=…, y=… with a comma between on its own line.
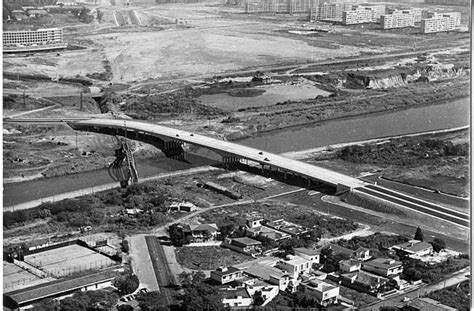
x=300, y=272
x=27, y=12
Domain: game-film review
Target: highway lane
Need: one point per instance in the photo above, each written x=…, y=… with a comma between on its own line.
x=224, y=148
x=419, y=202
x=406, y=202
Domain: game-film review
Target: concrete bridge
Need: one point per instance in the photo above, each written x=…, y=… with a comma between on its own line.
x=171, y=141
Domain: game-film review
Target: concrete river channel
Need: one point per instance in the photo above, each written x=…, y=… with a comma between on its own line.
x=421, y=119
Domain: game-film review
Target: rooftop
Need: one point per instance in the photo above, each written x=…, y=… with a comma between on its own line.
x=204, y=227
x=413, y=246
x=295, y=261
x=384, y=263
x=308, y=251
x=245, y=242
x=225, y=271
x=58, y=287
x=264, y=272
x=364, y=277
x=287, y=227
x=235, y=293
x=319, y=285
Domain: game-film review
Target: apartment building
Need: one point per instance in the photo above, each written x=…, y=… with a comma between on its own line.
x=30, y=37
x=331, y=11
x=397, y=19
x=440, y=22
x=363, y=14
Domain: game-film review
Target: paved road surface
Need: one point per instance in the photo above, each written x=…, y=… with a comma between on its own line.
x=141, y=262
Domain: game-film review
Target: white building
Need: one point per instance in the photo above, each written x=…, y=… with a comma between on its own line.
x=440, y=22
x=309, y=254
x=324, y=293
x=295, y=266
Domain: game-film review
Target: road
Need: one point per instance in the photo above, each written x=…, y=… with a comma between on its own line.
x=453, y=216
x=454, y=279
x=227, y=149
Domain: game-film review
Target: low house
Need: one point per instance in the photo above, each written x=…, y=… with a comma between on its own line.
x=295, y=266
x=386, y=267
x=182, y=206
x=37, y=12
x=202, y=232
x=133, y=211
x=414, y=248
x=325, y=293
x=224, y=275
x=270, y=233
x=313, y=255
x=254, y=222
x=364, y=281
x=362, y=254
x=236, y=297
x=268, y=274
x=288, y=227
x=339, y=250
x=244, y=245
x=23, y=298
x=349, y=265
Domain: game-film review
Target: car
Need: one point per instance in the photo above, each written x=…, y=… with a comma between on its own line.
x=266, y=159
x=177, y=135
x=192, y=134
x=260, y=153
x=405, y=299
x=143, y=291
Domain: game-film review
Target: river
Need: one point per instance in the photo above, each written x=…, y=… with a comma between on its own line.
x=413, y=120
x=421, y=119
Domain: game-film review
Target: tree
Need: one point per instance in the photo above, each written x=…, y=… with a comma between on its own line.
x=258, y=300
x=127, y=284
x=419, y=235
x=89, y=300
x=124, y=308
x=151, y=301
x=198, y=295
x=438, y=244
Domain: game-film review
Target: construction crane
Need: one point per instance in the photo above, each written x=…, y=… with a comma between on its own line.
x=123, y=169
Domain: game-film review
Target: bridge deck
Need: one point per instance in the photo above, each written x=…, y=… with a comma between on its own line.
x=223, y=147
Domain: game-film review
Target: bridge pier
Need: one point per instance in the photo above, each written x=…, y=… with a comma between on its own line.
x=230, y=161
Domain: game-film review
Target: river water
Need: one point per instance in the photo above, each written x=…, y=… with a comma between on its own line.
x=414, y=120
x=429, y=118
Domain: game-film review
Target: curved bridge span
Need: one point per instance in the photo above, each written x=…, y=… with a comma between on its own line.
x=170, y=141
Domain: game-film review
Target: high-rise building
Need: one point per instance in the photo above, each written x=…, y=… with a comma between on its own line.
x=363, y=14
x=440, y=22
x=397, y=19
x=41, y=39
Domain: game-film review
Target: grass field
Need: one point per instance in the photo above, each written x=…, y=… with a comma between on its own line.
x=67, y=260
x=208, y=257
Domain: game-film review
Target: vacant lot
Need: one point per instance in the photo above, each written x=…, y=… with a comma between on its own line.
x=208, y=257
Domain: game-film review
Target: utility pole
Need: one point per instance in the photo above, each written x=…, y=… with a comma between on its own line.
x=80, y=106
